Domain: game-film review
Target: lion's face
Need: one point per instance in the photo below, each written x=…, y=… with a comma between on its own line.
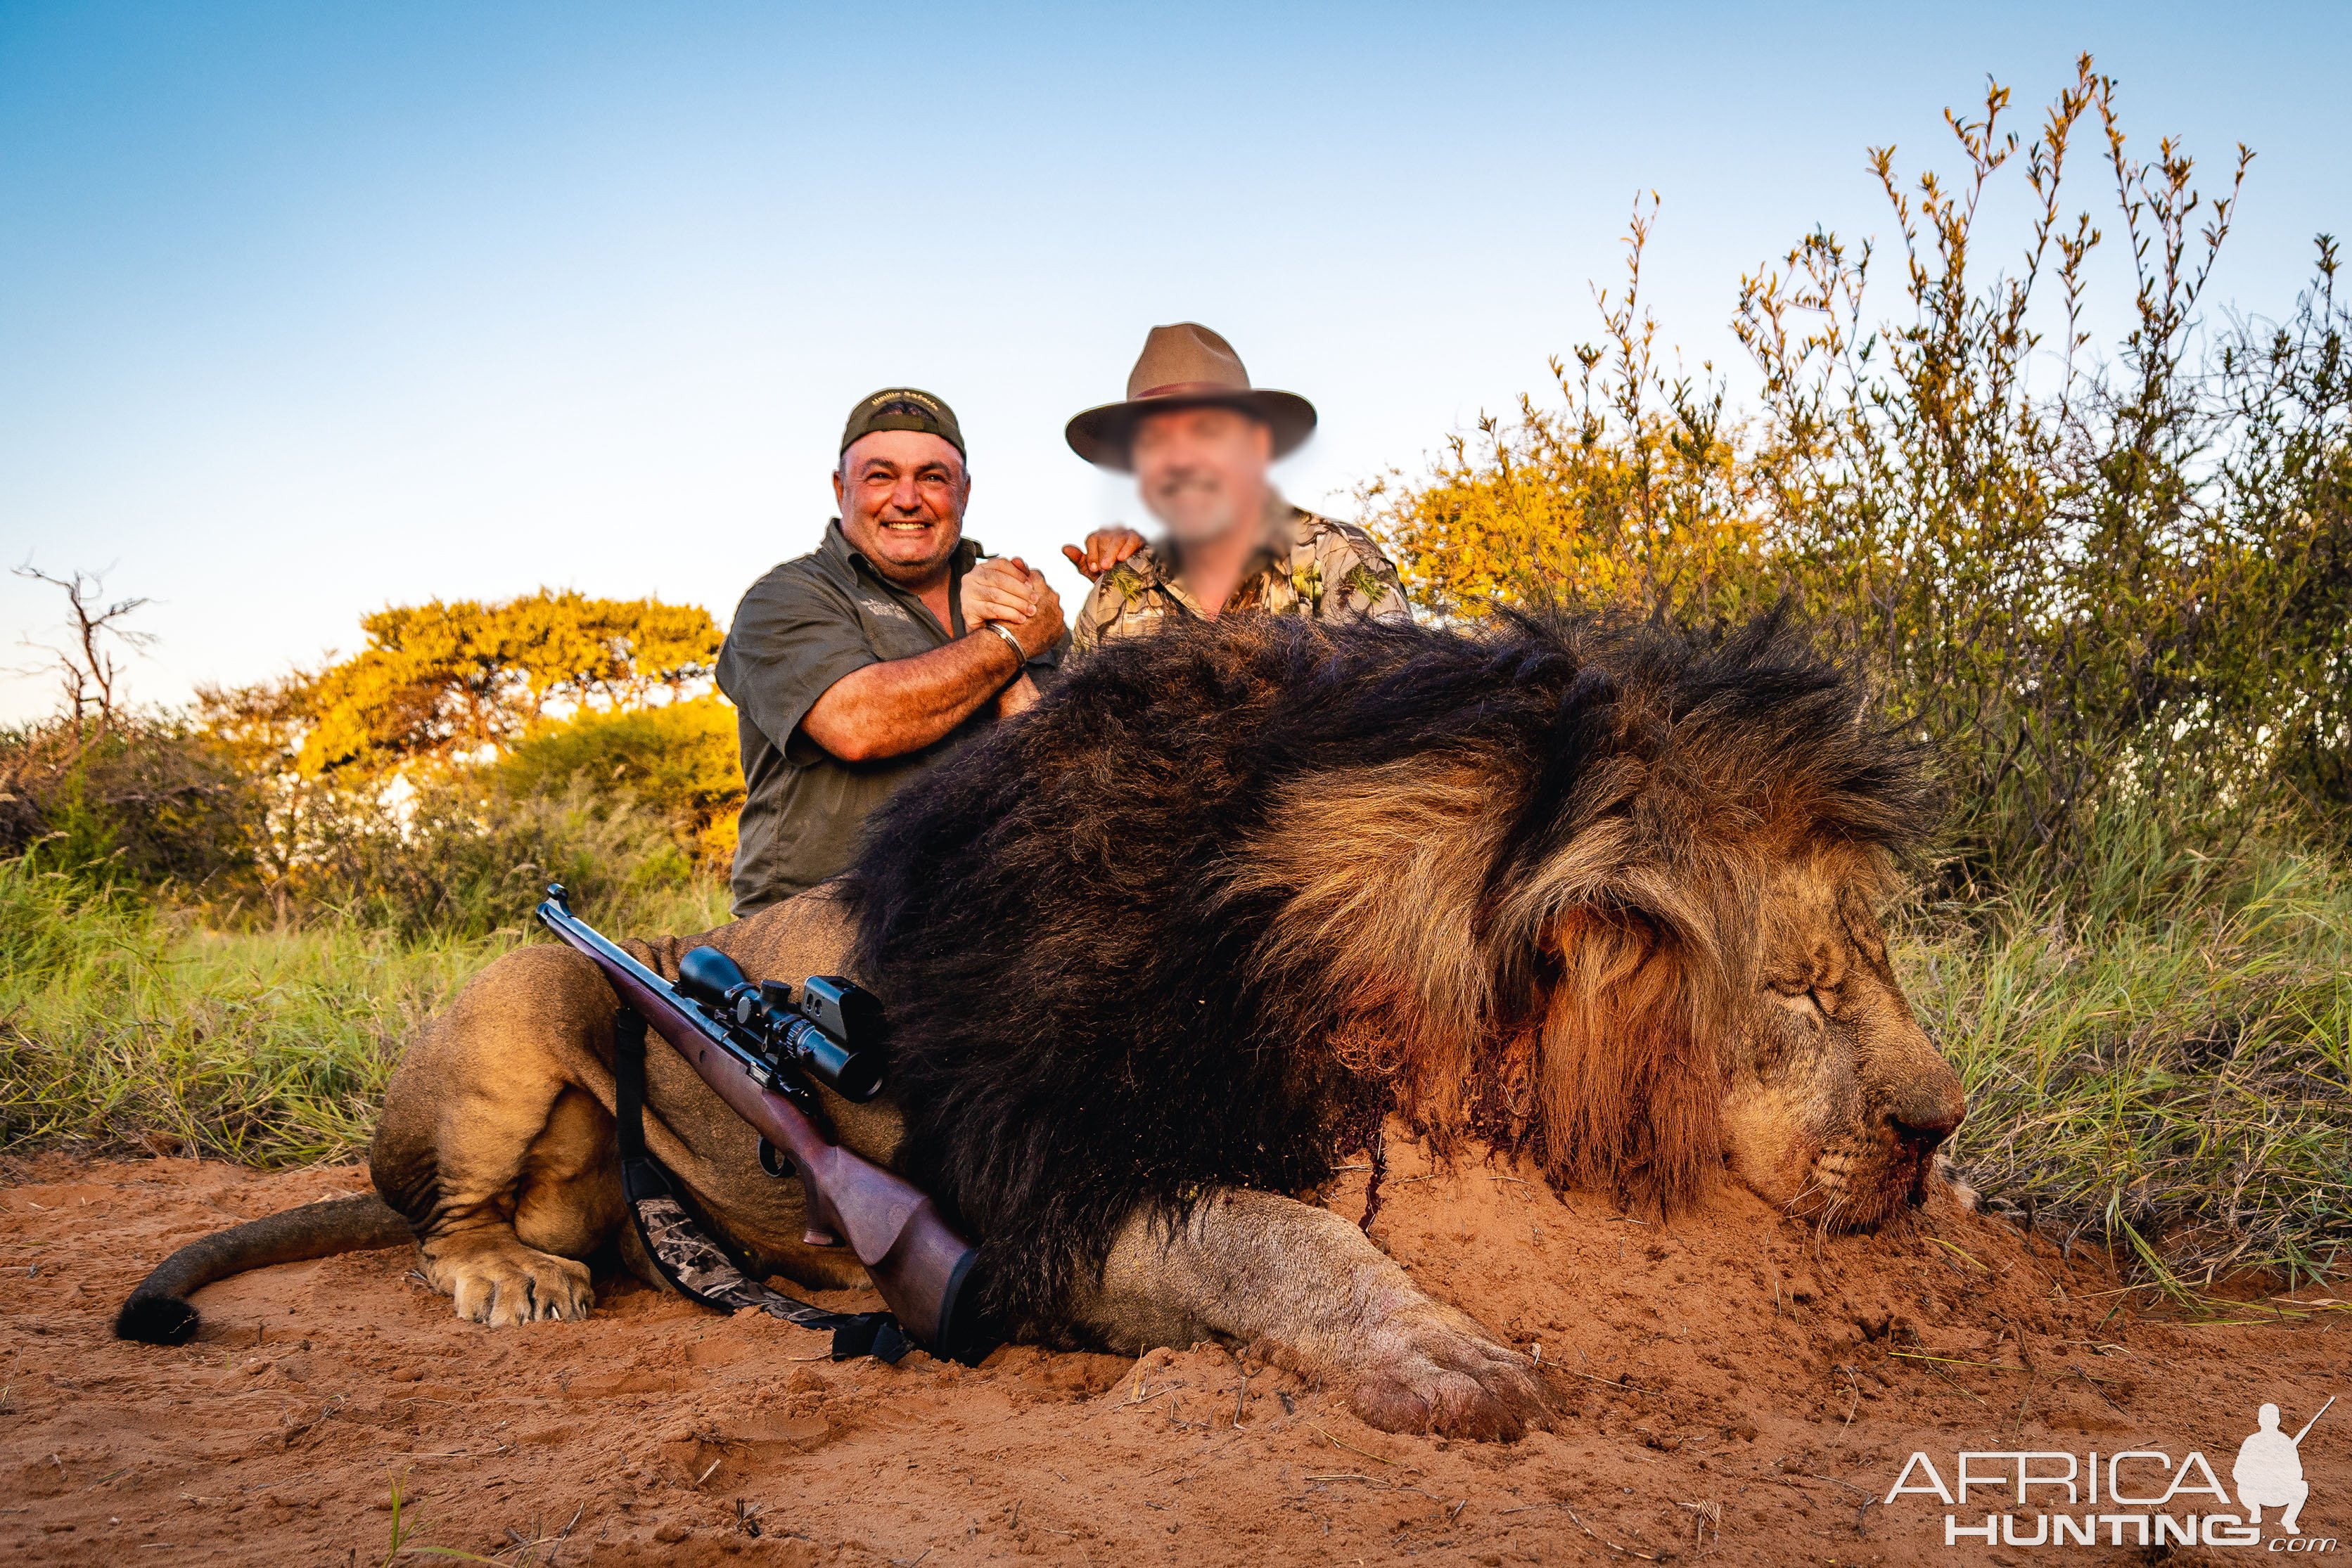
x=1838, y=1099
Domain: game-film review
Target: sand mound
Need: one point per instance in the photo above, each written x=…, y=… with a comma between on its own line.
x=1732, y=1386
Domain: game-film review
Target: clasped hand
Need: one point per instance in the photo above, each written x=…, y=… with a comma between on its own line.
x=1005, y=590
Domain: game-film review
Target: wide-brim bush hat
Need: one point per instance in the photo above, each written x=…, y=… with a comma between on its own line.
x=1186, y=366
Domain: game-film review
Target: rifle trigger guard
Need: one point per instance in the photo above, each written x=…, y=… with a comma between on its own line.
x=775, y=1162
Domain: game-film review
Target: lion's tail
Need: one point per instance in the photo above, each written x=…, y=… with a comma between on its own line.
x=158, y=1310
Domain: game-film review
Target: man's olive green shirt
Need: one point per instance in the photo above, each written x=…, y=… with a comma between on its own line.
x=803, y=626
x=1307, y=565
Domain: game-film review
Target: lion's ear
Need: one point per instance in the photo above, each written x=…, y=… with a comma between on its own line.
x=1631, y=1092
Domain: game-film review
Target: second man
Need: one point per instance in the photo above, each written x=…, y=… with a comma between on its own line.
x=1199, y=439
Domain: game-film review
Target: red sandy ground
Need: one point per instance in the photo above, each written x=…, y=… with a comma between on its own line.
x=1733, y=1387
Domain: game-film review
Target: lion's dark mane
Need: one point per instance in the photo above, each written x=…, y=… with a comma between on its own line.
x=1083, y=1018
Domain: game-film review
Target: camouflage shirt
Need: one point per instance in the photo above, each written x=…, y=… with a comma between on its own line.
x=1309, y=564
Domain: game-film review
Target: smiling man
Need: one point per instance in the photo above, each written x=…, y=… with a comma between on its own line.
x=1199, y=438
x=862, y=664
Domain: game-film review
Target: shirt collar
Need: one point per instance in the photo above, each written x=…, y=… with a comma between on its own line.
x=1281, y=529
x=1285, y=525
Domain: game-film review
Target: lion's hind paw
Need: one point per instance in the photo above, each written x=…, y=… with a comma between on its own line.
x=505, y=1283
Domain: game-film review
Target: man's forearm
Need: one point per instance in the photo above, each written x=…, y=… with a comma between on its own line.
x=1018, y=697
x=898, y=706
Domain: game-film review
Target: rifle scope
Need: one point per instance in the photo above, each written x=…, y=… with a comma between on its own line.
x=851, y=1066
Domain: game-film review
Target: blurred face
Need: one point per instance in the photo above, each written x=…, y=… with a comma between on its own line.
x=1203, y=470
x=902, y=496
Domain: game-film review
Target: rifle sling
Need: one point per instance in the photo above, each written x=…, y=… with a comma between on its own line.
x=696, y=1266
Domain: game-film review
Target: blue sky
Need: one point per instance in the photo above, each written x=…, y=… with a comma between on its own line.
x=309, y=309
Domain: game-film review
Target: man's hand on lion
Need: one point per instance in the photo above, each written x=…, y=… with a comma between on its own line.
x=1106, y=548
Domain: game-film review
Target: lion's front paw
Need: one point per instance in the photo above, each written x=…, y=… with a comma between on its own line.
x=501, y=1282
x=1428, y=1369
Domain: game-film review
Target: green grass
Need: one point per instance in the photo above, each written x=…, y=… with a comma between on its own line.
x=122, y=1025
x=2177, y=1089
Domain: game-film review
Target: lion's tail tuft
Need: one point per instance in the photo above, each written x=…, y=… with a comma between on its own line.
x=156, y=1320
x=158, y=1312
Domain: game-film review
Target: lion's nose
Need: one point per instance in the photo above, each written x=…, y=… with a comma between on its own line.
x=1924, y=1118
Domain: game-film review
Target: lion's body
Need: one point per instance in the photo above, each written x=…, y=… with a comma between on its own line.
x=1162, y=950
x=1201, y=921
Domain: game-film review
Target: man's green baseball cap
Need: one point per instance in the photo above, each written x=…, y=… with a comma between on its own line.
x=902, y=408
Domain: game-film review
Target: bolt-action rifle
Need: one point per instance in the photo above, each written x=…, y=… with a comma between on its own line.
x=758, y=1053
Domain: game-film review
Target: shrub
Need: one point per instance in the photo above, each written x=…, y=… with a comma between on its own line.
x=429, y=785
x=678, y=760
x=443, y=681
x=2125, y=582
x=138, y=802
x=444, y=860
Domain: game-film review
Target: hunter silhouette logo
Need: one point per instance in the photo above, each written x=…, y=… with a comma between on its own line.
x=2269, y=1471
x=2136, y=1497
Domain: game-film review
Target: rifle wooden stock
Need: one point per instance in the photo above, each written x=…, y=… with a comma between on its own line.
x=919, y=1264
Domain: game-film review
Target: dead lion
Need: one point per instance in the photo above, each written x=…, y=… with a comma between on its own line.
x=1161, y=952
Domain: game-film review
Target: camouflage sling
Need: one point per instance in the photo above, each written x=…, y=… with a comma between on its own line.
x=696, y=1266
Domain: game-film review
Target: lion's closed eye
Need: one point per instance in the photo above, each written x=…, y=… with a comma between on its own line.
x=1805, y=995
